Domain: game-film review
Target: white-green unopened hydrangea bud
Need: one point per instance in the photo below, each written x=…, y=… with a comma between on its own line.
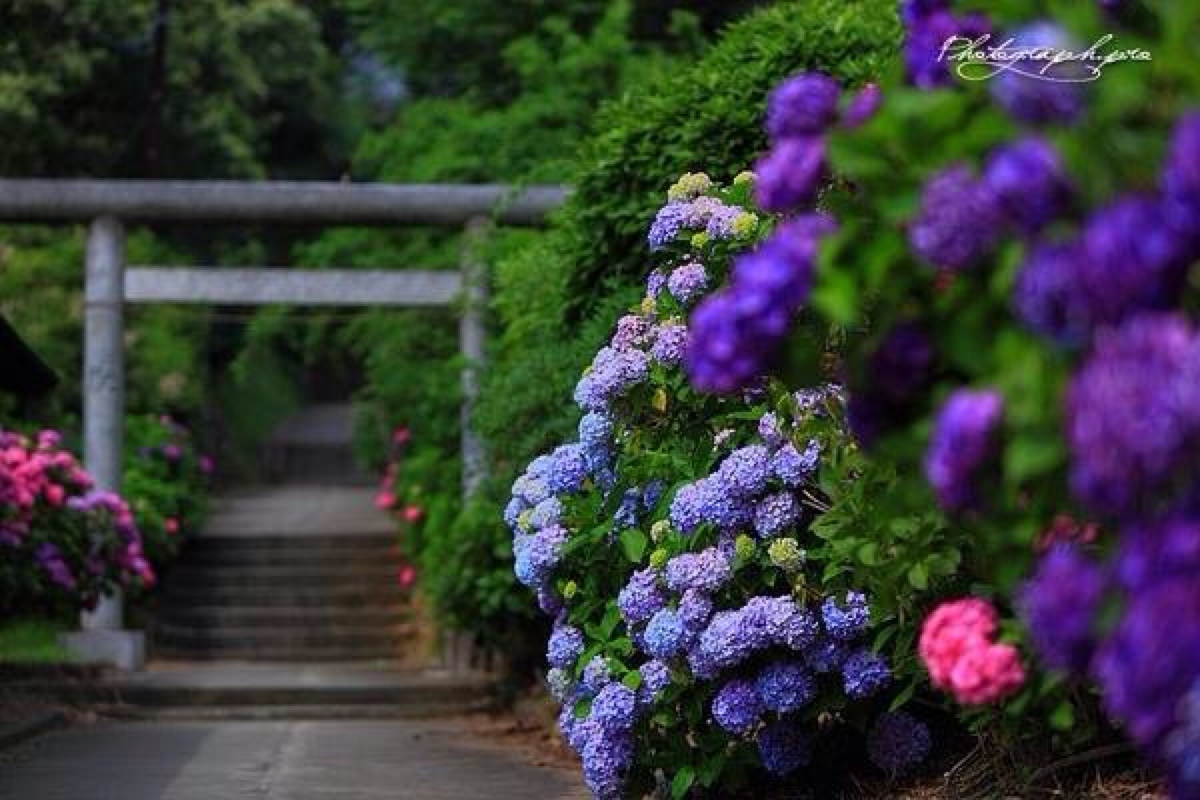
x=744, y=547
x=570, y=589
x=700, y=239
x=523, y=519
x=689, y=185
x=658, y=558
x=786, y=554
x=745, y=176
x=744, y=224
x=659, y=530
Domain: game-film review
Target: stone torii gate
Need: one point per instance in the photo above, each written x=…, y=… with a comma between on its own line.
x=110, y=284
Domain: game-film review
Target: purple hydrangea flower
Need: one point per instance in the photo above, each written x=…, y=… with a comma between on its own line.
x=612, y=373
x=745, y=471
x=1133, y=415
x=864, y=673
x=536, y=555
x=49, y=559
x=826, y=656
x=785, y=686
x=862, y=106
x=776, y=513
x=546, y=513
x=728, y=640
x=790, y=174
x=632, y=332
x=1151, y=660
x=802, y=104
x=596, y=675
x=1027, y=178
x=792, y=467
x=529, y=489
x=513, y=510
x=559, y=682
x=705, y=571
x=606, y=759
x=641, y=598
x=670, y=343
x=770, y=430
x=736, y=707
x=666, y=226
x=929, y=27
x=1181, y=177
x=1059, y=605
x=1127, y=259
x=656, y=677
x=898, y=742
x=695, y=609
x=962, y=443
x=1033, y=98
x=783, y=748
x=898, y=373
x=782, y=621
x=722, y=222
x=846, y=621
x=1183, y=748
x=614, y=708
x=687, y=282
x=1153, y=551
x=958, y=220
x=665, y=636
x=655, y=282
x=564, y=647
x=570, y=469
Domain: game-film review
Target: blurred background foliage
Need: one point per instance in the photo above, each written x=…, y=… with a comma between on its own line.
x=614, y=97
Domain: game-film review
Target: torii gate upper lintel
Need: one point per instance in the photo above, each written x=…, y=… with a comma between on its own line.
x=110, y=284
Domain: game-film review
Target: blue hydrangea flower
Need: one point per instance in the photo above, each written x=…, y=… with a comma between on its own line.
x=785, y=686
x=513, y=510
x=686, y=283
x=775, y=514
x=536, y=555
x=626, y=515
x=728, y=640
x=898, y=742
x=611, y=374
x=656, y=281
x=825, y=656
x=667, y=223
x=633, y=331
x=783, y=621
x=651, y=494
x=559, y=682
x=656, y=676
x=687, y=509
x=746, y=470
x=665, y=635
x=736, y=707
x=846, y=621
x=783, y=748
x=529, y=489
x=570, y=469
x=546, y=513
x=595, y=431
x=606, y=759
x=564, y=647
x=791, y=467
x=614, y=708
x=641, y=598
x=864, y=673
x=705, y=571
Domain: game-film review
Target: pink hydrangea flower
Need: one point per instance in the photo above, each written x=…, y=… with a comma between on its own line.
x=956, y=648
x=385, y=500
x=406, y=576
x=171, y=525
x=412, y=513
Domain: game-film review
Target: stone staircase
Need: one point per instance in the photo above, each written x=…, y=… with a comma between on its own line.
x=276, y=597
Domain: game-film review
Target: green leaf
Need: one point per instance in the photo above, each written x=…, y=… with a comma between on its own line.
x=633, y=544
x=1063, y=717
x=682, y=781
x=918, y=577
x=905, y=695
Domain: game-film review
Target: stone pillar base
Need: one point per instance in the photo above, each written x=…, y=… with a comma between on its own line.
x=122, y=649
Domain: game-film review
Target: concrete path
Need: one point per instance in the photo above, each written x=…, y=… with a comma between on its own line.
x=342, y=760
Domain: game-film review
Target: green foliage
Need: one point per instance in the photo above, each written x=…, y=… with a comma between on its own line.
x=26, y=641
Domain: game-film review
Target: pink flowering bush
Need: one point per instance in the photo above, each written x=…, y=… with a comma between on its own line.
x=63, y=543
x=956, y=647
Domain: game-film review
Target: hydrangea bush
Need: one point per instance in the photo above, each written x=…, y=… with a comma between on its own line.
x=1007, y=274
x=705, y=637
x=63, y=543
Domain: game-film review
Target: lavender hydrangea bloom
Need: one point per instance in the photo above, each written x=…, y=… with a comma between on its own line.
x=1128, y=259
x=641, y=598
x=695, y=609
x=570, y=470
x=826, y=656
x=705, y=571
x=1155, y=550
x=864, y=673
x=564, y=647
x=790, y=174
x=633, y=331
x=535, y=555
x=614, y=708
x=666, y=226
x=596, y=675
x=957, y=222
x=670, y=343
x=559, y=682
x=785, y=686
x=1034, y=98
x=962, y=443
x=1059, y=605
x=687, y=282
x=770, y=430
x=595, y=430
x=898, y=742
x=611, y=374
x=846, y=621
x=722, y=223
x=687, y=507
x=1027, y=178
x=1133, y=415
x=803, y=104
x=736, y=707
x=775, y=514
x=655, y=282
x=745, y=471
x=656, y=677
x=546, y=513
x=1151, y=660
x=49, y=559
x=728, y=640
x=530, y=489
x=665, y=636
x=782, y=621
x=783, y=748
x=606, y=759
x=792, y=467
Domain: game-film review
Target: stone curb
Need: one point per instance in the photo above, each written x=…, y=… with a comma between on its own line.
x=12, y=734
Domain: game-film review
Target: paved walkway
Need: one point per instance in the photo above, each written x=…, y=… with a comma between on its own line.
x=301, y=510
x=341, y=760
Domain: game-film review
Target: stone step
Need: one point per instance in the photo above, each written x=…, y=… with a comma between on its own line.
x=280, y=597
x=317, y=617
x=218, y=558
x=293, y=654
x=300, y=712
x=284, y=542
x=301, y=638
x=380, y=574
